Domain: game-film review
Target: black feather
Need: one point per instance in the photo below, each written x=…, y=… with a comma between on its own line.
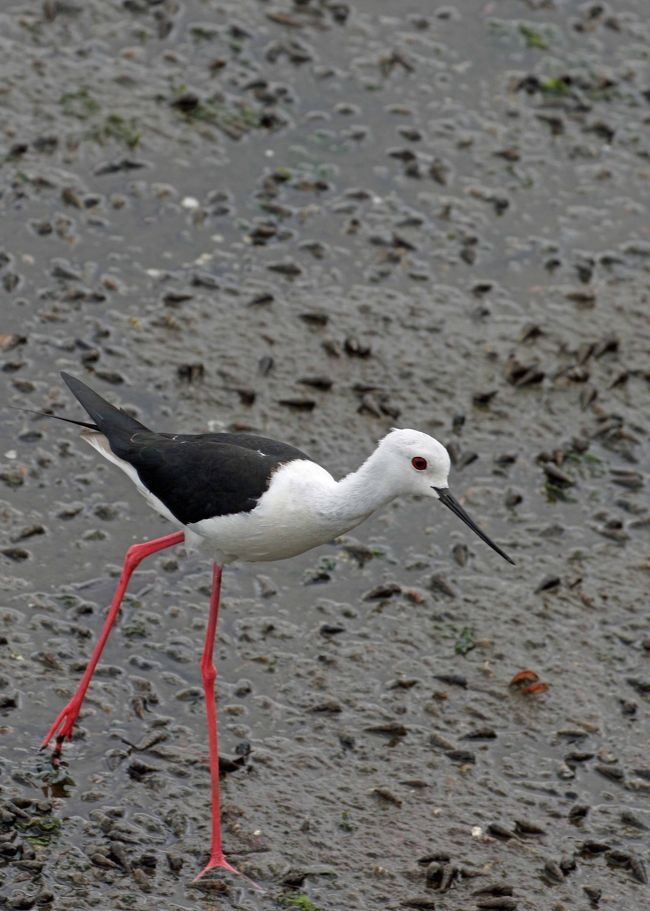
x=57, y=417
x=109, y=419
x=196, y=476
x=206, y=475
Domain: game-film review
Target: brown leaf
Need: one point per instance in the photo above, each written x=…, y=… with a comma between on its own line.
x=534, y=688
x=522, y=677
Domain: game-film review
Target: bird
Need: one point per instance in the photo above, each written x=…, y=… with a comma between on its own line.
x=241, y=497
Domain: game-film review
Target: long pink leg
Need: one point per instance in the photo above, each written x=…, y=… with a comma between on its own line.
x=209, y=675
x=66, y=718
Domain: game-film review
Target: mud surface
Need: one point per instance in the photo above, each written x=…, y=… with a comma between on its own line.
x=320, y=220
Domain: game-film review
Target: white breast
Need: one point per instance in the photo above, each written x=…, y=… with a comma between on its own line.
x=291, y=517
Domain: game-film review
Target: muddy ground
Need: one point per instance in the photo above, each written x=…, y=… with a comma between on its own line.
x=319, y=220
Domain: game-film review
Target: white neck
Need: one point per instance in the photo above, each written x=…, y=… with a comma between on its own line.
x=303, y=508
x=360, y=493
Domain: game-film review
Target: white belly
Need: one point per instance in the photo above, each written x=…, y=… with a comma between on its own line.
x=288, y=520
x=246, y=537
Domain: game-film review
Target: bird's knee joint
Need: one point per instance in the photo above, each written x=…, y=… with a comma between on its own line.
x=134, y=555
x=208, y=673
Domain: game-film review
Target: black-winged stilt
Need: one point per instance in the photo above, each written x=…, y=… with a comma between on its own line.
x=244, y=497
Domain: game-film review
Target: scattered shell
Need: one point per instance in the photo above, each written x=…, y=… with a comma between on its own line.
x=497, y=830
x=452, y=679
x=497, y=903
x=385, y=590
x=439, y=586
x=387, y=795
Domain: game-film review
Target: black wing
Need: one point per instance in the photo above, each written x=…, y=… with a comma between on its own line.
x=207, y=475
x=196, y=476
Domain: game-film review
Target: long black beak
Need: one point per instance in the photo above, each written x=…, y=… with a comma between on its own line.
x=454, y=505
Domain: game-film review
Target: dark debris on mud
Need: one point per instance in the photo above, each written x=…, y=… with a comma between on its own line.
x=317, y=219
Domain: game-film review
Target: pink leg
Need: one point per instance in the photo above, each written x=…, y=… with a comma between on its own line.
x=66, y=718
x=209, y=675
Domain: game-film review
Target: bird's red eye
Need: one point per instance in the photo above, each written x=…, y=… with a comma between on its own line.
x=419, y=463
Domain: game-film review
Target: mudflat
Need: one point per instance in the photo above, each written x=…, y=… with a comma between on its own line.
x=319, y=220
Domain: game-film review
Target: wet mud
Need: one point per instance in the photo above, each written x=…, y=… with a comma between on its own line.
x=318, y=220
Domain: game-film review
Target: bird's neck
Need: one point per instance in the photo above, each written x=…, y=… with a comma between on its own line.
x=360, y=493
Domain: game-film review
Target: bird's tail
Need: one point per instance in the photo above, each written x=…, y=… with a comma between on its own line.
x=57, y=417
x=108, y=419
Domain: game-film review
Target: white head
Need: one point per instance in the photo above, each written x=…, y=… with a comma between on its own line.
x=413, y=462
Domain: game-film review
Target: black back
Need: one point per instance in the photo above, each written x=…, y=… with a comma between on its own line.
x=196, y=476
x=205, y=475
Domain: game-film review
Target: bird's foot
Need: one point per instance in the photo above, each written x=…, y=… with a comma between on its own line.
x=216, y=861
x=219, y=861
x=63, y=725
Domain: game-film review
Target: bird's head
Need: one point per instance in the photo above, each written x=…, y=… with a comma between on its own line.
x=415, y=463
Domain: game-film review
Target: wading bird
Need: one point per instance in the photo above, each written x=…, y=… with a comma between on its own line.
x=244, y=497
